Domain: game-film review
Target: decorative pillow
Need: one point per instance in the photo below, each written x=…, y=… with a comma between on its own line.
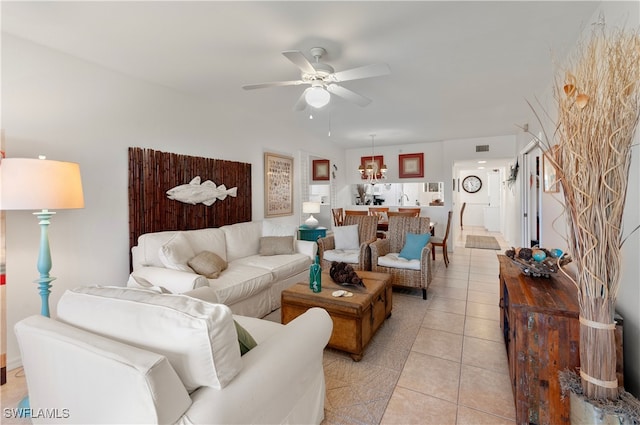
x=245, y=339
x=208, y=264
x=413, y=245
x=276, y=245
x=176, y=253
x=197, y=337
x=346, y=237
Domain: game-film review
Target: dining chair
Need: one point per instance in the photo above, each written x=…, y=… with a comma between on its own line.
x=416, y=211
x=356, y=212
x=401, y=214
x=378, y=211
x=436, y=241
x=338, y=216
x=464, y=204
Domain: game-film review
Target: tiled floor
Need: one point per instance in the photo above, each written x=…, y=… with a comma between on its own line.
x=457, y=370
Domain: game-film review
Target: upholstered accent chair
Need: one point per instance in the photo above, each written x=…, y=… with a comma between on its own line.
x=386, y=253
x=350, y=243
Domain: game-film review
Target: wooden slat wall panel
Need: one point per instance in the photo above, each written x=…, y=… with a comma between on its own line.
x=152, y=173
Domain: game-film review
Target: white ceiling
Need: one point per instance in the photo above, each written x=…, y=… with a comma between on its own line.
x=459, y=69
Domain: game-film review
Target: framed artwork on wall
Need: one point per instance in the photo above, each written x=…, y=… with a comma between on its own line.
x=411, y=165
x=549, y=176
x=278, y=185
x=375, y=161
x=320, y=169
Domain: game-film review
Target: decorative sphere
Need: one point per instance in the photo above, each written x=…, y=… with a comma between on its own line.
x=539, y=255
x=557, y=253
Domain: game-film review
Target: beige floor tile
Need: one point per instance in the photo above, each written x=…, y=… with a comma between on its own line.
x=444, y=345
x=487, y=391
x=482, y=297
x=483, y=311
x=484, y=277
x=491, y=288
x=467, y=416
x=443, y=321
x=485, y=354
x=483, y=328
x=448, y=305
x=454, y=274
x=449, y=292
x=449, y=283
x=431, y=376
x=410, y=407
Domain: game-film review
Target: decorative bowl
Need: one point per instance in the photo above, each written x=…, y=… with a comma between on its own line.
x=538, y=262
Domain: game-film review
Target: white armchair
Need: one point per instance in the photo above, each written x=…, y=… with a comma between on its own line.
x=119, y=355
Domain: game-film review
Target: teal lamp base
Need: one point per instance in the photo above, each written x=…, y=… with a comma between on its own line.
x=44, y=284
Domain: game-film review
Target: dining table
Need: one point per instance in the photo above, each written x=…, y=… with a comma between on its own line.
x=383, y=226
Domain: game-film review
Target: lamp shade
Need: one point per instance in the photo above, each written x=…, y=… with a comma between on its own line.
x=311, y=207
x=39, y=184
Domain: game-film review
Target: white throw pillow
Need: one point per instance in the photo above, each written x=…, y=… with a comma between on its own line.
x=176, y=253
x=198, y=338
x=346, y=237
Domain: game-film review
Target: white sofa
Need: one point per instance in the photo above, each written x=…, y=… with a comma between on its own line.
x=252, y=283
x=133, y=356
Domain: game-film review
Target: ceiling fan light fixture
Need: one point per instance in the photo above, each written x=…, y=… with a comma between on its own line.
x=317, y=97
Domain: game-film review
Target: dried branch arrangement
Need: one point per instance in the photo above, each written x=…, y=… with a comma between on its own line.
x=598, y=108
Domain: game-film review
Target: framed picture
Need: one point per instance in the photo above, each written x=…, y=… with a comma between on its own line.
x=411, y=165
x=278, y=185
x=375, y=161
x=320, y=169
x=549, y=176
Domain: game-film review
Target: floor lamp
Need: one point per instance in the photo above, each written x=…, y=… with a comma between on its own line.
x=40, y=184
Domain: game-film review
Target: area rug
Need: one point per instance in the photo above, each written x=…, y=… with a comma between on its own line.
x=358, y=392
x=482, y=242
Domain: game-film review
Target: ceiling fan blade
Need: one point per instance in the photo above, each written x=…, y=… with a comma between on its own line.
x=300, y=61
x=301, y=104
x=367, y=71
x=348, y=95
x=273, y=84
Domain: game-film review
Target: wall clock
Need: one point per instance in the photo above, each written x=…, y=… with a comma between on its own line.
x=471, y=184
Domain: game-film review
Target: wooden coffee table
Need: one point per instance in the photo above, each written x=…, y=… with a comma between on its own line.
x=355, y=319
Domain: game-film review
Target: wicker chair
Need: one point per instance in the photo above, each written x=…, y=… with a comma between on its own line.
x=359, y=259
x=403, y=271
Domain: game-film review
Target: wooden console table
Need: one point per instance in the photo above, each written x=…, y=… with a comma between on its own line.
x=539, y=321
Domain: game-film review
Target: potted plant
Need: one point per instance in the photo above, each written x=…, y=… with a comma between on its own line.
x=598, y=99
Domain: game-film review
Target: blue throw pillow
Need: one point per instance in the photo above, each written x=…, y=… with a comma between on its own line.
x=413, y=245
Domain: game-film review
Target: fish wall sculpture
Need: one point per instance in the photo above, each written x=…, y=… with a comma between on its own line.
x=195, y=193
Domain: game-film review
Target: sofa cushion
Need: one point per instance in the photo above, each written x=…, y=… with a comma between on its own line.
x=208, y=239
x=208, y=264
x=176, y=253
x=242, y=239
x=239, y=282
x=413, y=245
x=280, y=266
x=276, y=245
x=197, y=337
x=271, y=228
x=346, y=237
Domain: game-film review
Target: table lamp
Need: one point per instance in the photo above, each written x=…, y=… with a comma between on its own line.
x=40, y=184
x=311, y=208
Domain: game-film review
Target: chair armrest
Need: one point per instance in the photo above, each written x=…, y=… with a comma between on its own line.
x=275, y=375
x=175, y=281
x=425, y=262
x=364, y=257
x=379, y=248
x=326, y=244
x=308, y=248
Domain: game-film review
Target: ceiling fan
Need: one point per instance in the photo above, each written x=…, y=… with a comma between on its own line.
x=324, y=80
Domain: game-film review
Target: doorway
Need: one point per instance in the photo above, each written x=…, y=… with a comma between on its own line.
x=531, y=194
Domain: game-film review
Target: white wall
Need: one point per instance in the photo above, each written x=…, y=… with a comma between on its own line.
x=72, y=110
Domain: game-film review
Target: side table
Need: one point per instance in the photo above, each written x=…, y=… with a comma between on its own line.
x=306, y=234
